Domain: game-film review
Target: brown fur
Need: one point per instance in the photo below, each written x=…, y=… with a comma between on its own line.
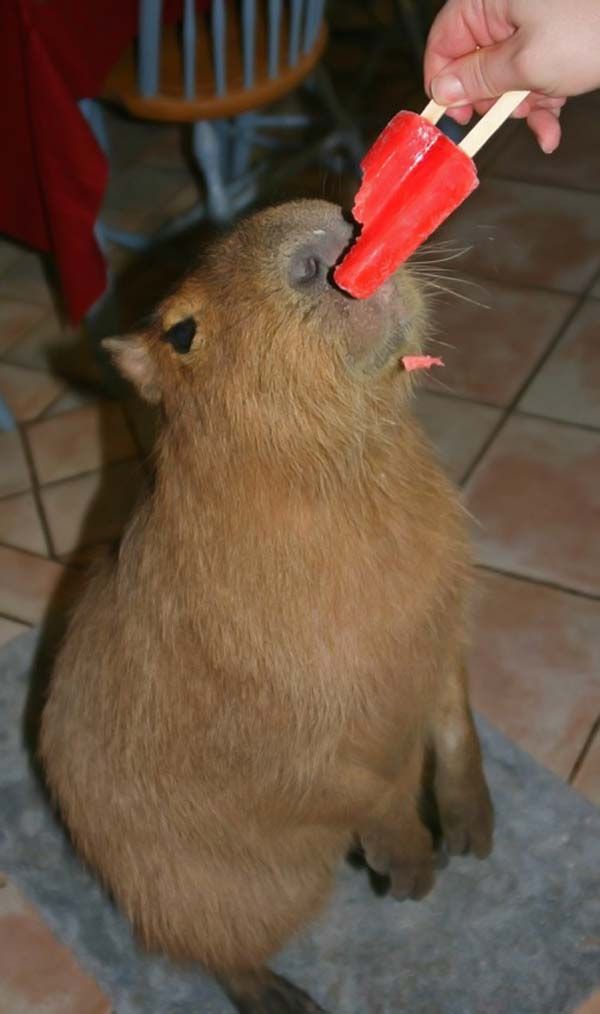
x=257, y=679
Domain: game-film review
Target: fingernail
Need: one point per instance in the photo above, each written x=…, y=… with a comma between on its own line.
x=448, y=90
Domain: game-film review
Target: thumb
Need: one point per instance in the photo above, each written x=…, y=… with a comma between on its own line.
x=484, y=74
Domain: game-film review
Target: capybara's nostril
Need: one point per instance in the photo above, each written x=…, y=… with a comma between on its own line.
x=306, y=269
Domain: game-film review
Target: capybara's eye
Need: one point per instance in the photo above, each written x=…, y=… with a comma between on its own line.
x=181, y=335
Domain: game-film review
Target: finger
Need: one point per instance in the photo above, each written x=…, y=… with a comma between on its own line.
x=452, y=36
x=484, y=74
x=545, y=125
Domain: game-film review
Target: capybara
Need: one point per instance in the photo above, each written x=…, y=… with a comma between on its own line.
x=259, y=678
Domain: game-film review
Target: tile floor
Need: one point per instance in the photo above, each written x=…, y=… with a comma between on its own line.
x=515, y=416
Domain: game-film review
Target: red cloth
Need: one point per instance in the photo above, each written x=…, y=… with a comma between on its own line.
x=52, y=172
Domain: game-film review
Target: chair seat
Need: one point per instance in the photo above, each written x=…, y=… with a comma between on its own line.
x=170, y=102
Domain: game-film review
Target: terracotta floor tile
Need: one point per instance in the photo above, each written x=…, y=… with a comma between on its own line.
x=37, y=973
x=20, y=524
x=165, y=150
x=28, y=584
x=527, y=234
x=126, y=218
x=14, y=471
x=576, y=163
x=92, y=508
x=568, y=385
x=536, y=498
x=144, y=187
x=534, y=666
x=82, y=440
x=52, y=345
x=9, y=253
x=74, y=397
x=16, y=319
x=36, y=347
x=494, y=350
x=458, y=429
x=27, y=279
x=184, y=199
x=587, y=780
x=27, y=392
x=10, y=629
x=128, y=137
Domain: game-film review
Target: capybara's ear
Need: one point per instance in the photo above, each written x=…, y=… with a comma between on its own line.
x=133, y=359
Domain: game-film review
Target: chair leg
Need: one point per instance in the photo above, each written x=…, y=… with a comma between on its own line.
x=93, y=112
x=7, y=421
x=207, y=149
x=241, y=146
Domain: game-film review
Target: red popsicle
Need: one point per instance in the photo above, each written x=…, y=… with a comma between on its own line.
x=413, y=178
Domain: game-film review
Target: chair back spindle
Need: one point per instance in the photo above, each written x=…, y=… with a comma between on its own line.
x=219, y=38
x=296, y=10
x=314, y=16
x=302, y=17
x=150, y=22
x=274, y=42
x=249, y=40
x=190, y=35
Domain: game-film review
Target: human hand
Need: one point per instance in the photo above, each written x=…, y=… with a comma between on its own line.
x=550, y=47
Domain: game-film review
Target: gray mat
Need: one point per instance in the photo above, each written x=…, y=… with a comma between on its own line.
x=518, y=934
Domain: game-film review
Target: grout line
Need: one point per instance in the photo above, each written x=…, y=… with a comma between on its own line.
x=35, y=489
x=16, y=619
x=27, y=552
x=102, y=469
x=566, y=423
x=63, y=559
x=30, y=368
x=504, y=178
x=481, y=280
x=458, y=398
x=542, y=582
x=463, y=399
x=485, y=447
x=481, y=276
x=96, y=394
x=566, y=323
x=580, y=760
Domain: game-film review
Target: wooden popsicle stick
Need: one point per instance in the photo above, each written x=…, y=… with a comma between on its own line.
x=490, y=123
x=433, y=112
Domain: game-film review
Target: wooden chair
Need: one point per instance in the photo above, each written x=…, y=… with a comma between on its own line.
x=217, y=72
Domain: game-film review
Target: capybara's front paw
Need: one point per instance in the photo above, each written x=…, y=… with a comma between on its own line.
x=408, y=860
x=467, y=818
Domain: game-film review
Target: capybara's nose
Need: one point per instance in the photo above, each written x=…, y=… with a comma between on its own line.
x=318, y=252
